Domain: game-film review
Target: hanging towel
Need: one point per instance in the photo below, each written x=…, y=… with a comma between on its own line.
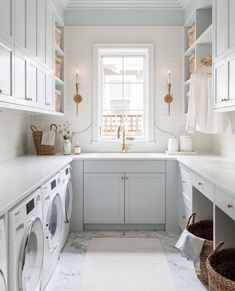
x=190, y=245
x=201, y=116
x=48, y=138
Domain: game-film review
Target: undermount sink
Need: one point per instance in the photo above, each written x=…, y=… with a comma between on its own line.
x=125, y=155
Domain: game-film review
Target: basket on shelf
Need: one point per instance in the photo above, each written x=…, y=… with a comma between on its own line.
x=191, y=64
x=58, y=100
x=221, y=269
x=202, y=229
x=37, y=138
x=58, y=36
x=58, y=65
x=191, y=35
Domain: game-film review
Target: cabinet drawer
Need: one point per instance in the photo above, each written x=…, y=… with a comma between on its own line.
x=204, y=187
x=226, y=202
x=107, y=166
x=186, y=181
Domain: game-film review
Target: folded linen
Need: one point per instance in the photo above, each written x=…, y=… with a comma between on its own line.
x=48, y=138
x=190, y=245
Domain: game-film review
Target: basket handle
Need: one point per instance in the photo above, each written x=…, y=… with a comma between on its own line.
x=33, y=128
x=191, y=219
x=53, y=125
x=218, y=248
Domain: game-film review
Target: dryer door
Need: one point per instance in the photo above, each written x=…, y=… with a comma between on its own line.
x=54, y=222
x=31, y=256
x=68, y=201
x=3, y=286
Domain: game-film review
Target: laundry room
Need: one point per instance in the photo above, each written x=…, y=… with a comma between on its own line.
x=117, y=145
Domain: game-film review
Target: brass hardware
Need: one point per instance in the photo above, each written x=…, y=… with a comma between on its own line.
x=28, y=99
x=122, y=178
x=48, y=104
x=126, y=178
x=230, y=205
x=125, y=147
x=0, y=91
x=200, y=184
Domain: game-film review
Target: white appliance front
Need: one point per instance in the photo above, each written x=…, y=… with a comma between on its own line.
x=52, y=223
x=67, y=203
x=26, y=244
x=3, y=256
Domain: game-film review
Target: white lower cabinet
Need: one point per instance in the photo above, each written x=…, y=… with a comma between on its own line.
x=103, y=198
x=145, y=198
x=131, y=198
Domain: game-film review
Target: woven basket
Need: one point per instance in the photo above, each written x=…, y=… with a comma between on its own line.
x=191, y=35
x=221, y=269
x=58, y=100
x=37, y=138
x=58, y=65
x=202, y=229
x=58, y=36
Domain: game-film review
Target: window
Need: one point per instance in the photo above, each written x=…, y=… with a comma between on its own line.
x=123, y=76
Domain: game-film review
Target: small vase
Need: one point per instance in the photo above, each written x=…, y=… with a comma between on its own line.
x=67, y=147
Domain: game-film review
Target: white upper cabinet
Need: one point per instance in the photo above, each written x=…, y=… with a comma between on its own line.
x=32, y=82
x=31, y=27
x=41, y=31
x=21, y=78
x=20, y=24
x=224, y=54
x=6, y=71
x=6, y=19
x=49, y=101
x=50, y=39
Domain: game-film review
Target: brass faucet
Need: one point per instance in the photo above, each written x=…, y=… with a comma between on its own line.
x=125, y=147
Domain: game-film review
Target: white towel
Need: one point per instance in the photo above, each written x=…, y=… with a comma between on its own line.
x=190, y=245
x=48, y=138
x=201, y=116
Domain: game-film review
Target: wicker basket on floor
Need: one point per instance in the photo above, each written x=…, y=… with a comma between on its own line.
x=37, y=138
x=202, y=229
x=221, y=269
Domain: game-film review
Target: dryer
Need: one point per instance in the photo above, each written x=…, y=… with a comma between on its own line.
x=67, y=202
x=3, y=256
x=52, y=224
x=26, y=244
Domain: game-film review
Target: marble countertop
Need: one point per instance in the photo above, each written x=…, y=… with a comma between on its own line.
x=218, y=170
x=21, y=176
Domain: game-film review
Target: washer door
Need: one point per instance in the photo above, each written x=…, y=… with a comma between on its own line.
x=54, y=223
x=3, y=285
x=31, y=256
x=68, y=201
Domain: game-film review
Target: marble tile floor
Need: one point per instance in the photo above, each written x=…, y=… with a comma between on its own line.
x=67, y=276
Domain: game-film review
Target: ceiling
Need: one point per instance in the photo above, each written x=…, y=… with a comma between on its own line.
x=126, y=4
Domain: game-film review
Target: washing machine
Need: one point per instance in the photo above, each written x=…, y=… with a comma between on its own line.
x=3, y=256
x=67, y=202
x=26, y=244
x=52, y=225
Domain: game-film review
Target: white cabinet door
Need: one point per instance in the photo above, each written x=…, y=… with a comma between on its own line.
x=50, y=39
x=145, y=198
x=21, y=78
x=20, y=23
x=31, y=27
x=41, y=87
x=231, y=26
x=32, y=83
x=231, y=78
x=41, y=31
x=49, y=101
x=103, y=198
x=6, y=19
x=220, y=9
x=220, y=83
x=6, y=71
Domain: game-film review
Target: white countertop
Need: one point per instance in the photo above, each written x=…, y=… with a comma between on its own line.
x=218, y=170
x=20, y=176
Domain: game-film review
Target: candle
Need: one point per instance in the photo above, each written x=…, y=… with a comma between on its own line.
x=77, y=76
x=169, y=77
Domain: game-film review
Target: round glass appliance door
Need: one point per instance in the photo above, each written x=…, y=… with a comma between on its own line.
x=68, y=203
x=54, y=224
x=31, y=256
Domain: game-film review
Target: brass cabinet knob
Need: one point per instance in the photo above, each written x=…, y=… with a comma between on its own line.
x=29, y=99
x=230, y=205
x=126, y=178
x=200, y=184
x=122, y=178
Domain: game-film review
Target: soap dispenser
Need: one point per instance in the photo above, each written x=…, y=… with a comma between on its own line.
x=77, y=148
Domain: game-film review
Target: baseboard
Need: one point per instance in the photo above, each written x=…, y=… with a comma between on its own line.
x=126, y=227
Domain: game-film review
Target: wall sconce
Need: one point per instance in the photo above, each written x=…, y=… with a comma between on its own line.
x=168, y=98
x=77, y=98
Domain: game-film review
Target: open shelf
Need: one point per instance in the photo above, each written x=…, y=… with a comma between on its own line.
x=190, y=50
x=58, y=81
x=59, y=52
x=206, y=36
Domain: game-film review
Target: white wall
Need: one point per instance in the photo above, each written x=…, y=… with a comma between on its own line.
x=168, y=43
x=14, y=128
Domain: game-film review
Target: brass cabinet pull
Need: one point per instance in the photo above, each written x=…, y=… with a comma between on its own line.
x=0, y=91
x=28, y=99
x=230, y=205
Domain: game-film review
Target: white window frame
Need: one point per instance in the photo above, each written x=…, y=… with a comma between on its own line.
x=98, y=51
